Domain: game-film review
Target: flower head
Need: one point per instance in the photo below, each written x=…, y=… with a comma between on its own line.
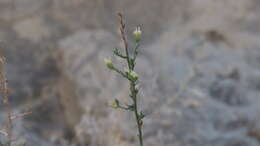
x=133, y=76
x=115, y=104
x=137, y=34
x=109, y=63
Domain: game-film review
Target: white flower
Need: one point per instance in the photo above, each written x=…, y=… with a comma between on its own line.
x=133, y=76
x=137, y=33
x=109, y=63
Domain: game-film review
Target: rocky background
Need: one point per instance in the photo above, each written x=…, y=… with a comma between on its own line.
x=199, y=66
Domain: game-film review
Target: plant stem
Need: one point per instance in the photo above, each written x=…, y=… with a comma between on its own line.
x=6, y=102
x=123, y=36
x=131, y=66
x=138, y=121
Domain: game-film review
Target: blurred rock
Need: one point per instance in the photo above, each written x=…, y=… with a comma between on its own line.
x=33, y=29
x=12, y=10
x=83, y=64
x=228, y=91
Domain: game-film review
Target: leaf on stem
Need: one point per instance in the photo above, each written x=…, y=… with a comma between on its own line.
x=141, y=115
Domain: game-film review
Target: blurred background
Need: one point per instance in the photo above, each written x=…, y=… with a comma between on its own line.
x=199, y=68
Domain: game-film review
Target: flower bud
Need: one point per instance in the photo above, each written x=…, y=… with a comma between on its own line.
x=115, y=104
x=137, y=34
x=133, y=76
x=109, y=63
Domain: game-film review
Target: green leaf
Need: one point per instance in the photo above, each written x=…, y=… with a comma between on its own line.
x=141, y=115
x=118, y=53
x=130, y=107
x=115, y=104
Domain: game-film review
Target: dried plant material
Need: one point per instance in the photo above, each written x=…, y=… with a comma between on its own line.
x=5, y=94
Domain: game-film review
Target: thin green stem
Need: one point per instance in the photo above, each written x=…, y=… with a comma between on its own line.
x=136, y=50
x=137, y=116
x=122, y=56
x=118, y=53
x=132, y=83
x=120, y=72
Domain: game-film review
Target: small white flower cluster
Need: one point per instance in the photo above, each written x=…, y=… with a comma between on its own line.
x=137, y=33
x=109, y=63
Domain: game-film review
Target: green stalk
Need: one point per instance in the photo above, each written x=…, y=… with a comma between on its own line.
x=137, y=117
x=130, y=75
x=133, y=90
x=134, y=98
